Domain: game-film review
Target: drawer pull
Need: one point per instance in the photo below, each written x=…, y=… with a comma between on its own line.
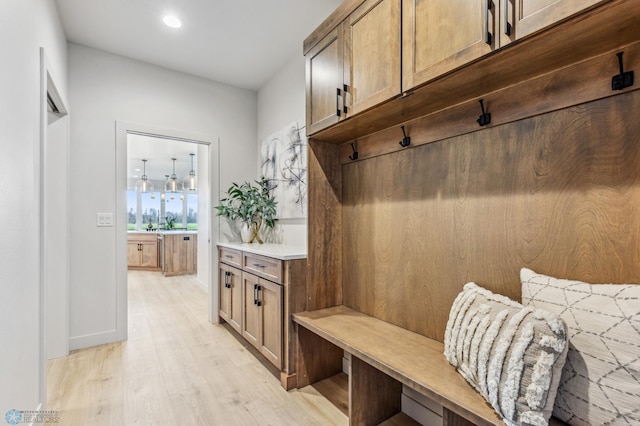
x=228, y=256
x=258, y=265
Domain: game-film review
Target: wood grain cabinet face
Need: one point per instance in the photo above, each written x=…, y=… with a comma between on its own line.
x=372, y=54
x=439, y=36
x=356, y=66
x=262, y=318
x=231, y=296
x=529, y=16
x=324, y=69
x=142, y=251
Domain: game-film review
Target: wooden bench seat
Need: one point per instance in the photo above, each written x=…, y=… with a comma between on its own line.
x=408, y=358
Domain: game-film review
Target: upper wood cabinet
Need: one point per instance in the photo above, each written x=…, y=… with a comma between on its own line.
x=372, y=54
x=439, y=36
x=324, y=70
x=356, y=66
x=523, y=17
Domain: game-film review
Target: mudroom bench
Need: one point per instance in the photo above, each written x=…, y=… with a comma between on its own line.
x=384, y=357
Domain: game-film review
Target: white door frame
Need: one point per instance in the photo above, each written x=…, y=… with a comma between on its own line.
x=122, y=129
x=53, y=182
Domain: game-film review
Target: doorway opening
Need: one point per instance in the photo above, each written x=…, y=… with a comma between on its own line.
x=161, y=225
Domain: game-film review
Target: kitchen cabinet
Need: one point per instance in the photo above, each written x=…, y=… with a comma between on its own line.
x=439, y=36
x=267, y=285
x=356, y=66
x=142, y=251
x=180, y=253
x=230, y=294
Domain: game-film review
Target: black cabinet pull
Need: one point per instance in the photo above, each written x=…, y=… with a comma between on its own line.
x=255, y=294
x=344, y=98
x=258, y=301
x=487, y=37
x=507, y=25
x=338, y=112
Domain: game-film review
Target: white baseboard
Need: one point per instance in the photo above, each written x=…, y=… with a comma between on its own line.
x=89, y=340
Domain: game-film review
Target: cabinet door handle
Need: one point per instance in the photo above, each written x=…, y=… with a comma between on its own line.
x=255, y=294
x=487, y=34
x=345, y=90
x=507, y=25
x=258, y=301
x=338, y=112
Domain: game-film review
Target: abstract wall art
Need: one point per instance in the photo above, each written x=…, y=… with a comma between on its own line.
x=283, y=160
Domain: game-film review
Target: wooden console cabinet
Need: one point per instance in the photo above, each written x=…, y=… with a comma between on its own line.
x=258, y=291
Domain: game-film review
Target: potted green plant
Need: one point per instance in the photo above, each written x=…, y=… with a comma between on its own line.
x=170, y=222
x=252, y=205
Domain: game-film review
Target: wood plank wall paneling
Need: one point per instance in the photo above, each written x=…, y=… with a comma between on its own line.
x=324, y=270
x=558, y=193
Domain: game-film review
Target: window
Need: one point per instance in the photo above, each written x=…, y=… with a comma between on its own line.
x=146, y=208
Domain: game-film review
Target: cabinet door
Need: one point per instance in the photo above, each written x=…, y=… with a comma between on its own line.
x=529, y=16
x=149, y=254
x=250, y=311
x=270, y=297
x=133, y=253
x=324, y=70
x=372, y=54
x=235, y=313
x=441, y=35
x=224, y=299
x=191, y=260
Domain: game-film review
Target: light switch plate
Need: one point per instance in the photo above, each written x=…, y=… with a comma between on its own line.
x=104, y=219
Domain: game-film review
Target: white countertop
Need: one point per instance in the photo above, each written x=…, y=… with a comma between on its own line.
x=163, y=232
x=278, y=251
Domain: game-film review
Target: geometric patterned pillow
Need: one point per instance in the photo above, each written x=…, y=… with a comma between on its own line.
x=600, y=382
x=512, y=355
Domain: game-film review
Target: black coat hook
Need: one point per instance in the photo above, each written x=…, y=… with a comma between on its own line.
x=485, y=118
x=622, y=80
x=406, y=140
x=354, y=156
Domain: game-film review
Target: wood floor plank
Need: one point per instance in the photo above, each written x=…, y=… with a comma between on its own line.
x=176, y=368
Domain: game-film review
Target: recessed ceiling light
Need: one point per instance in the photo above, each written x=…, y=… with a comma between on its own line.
x=172, y=21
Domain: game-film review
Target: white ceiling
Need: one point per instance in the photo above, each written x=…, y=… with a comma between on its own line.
x=158, y=153
x=237, y=42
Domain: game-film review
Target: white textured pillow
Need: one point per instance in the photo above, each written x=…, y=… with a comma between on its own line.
x=512, y=355
x=600, y=382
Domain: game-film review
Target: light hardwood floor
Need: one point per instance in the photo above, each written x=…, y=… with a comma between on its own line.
x=176, y=368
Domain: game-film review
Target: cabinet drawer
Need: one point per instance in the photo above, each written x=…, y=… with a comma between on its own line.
x=265, y=267
x=230, y=257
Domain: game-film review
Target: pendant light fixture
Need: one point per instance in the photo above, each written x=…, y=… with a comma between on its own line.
x=189, y=182
x=171, y=185
x=144, y=184
x=162, y=195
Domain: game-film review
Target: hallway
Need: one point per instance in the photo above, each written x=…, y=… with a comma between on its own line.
x=176, y=368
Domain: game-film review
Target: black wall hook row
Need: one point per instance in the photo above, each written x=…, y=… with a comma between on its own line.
x=354, y=156
x=485, y=118
x=406, y=140
x=624, y=79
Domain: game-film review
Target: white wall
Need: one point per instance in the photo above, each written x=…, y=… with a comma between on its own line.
x=25, y=26
x=103, y=89
x=281, y=101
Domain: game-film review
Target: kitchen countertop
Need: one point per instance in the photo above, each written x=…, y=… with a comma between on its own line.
x=163, y=232
x=278, y=251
